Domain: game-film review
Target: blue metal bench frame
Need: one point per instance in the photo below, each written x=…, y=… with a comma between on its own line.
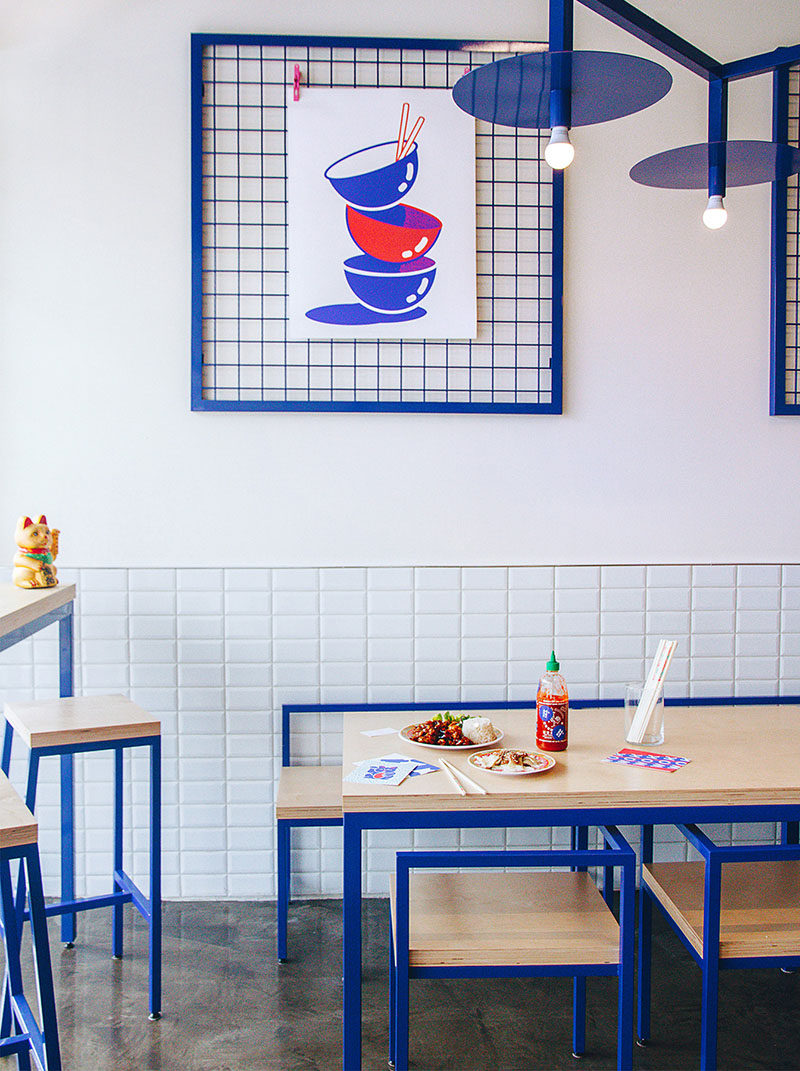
x=710, y=963
x=617, y=853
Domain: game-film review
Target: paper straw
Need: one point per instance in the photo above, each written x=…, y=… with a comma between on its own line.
x=651, y=691
x=452, y=777
x=465, y=779
x=401, y=136
x=409, y=143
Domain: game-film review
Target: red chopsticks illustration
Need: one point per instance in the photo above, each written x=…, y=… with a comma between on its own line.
x=405, y=144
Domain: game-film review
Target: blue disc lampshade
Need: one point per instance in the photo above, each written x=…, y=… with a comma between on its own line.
x=515, y=91
x=744, y=163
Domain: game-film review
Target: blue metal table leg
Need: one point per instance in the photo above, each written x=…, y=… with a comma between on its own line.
x=284, y=886
x=155, y=879
x=578, y=1015
x=116, y=920
x=645, y=941
x=8, y=740
x=351, y=931
x=66, y=688
x=68, y=922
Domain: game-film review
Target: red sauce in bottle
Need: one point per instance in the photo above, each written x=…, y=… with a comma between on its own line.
x=552, y=709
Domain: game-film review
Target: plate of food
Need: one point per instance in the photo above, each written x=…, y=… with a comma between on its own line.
x=452, y=731
x=512, y=762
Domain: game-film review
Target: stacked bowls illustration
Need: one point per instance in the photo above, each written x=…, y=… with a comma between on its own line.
x=393, y=273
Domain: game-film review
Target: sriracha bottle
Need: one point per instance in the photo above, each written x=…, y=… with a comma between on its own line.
x=552, y=708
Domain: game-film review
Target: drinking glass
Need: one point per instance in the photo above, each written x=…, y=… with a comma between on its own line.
x=655, y=733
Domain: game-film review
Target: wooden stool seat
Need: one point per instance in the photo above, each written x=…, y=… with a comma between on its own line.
x=79, y=720
x=17, y=824
x=759, y=911
x=309, y=792
x=507, y=920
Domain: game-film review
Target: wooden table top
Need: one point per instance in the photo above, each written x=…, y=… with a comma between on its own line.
x=739, y=755
x=20, y=606
x=17, y=824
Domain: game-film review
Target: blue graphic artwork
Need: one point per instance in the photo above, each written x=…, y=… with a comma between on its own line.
x=392, y=275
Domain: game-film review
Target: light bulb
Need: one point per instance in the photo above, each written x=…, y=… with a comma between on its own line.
x=559, y=152
x=715, y=215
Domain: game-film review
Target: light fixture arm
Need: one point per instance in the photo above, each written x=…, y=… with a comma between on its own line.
x=717, y=136
x=561, y=21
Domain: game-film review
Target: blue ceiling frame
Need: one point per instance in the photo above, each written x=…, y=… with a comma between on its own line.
x=719, y=75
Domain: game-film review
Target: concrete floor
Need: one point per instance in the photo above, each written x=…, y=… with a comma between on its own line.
x=228, y=1005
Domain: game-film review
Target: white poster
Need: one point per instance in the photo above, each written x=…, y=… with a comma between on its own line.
x=381, y=228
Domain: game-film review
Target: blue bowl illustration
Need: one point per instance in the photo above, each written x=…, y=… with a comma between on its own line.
x=389, y=287
x=372, y=178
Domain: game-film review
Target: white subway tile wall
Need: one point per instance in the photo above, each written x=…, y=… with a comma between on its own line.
x=215, y=653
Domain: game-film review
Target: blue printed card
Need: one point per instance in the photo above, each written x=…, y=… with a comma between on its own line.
x=651, y=759
x=376, y=771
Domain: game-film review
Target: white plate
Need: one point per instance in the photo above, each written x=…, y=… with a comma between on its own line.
x=545, y=763
x=447, y=747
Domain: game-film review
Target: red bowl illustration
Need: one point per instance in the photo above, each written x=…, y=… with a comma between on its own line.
x=397, y=235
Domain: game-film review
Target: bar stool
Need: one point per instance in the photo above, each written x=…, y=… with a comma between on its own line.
x=20, y=1033
x=71, y=726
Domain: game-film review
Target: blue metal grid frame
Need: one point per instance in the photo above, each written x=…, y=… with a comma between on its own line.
x=714, y=857
x=616, y=853
x=241, y=356
x=785, y=281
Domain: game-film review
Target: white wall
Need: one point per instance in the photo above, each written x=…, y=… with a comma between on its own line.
x=665, y=451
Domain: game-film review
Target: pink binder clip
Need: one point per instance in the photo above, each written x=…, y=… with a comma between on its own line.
x=297, y=81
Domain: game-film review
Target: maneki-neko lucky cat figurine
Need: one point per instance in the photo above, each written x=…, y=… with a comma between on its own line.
x=37, y=548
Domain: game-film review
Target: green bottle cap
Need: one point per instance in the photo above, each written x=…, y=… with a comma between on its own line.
x=552, y=664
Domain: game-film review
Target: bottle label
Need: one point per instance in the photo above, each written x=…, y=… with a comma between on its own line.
x=551, y=726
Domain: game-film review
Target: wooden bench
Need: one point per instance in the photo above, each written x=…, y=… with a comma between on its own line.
x=736, y=907
x=312, y=795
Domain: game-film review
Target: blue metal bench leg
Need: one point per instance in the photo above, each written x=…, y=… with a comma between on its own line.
x=400, y=1010
x=578, y=1015
x=392, y=989
x=645, y=942
x=627, y=917
x=710, y=965
x=284, y=886
x=116, y=913
x=155, y=879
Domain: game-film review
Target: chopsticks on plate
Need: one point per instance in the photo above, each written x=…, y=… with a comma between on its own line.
x=457, y=776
